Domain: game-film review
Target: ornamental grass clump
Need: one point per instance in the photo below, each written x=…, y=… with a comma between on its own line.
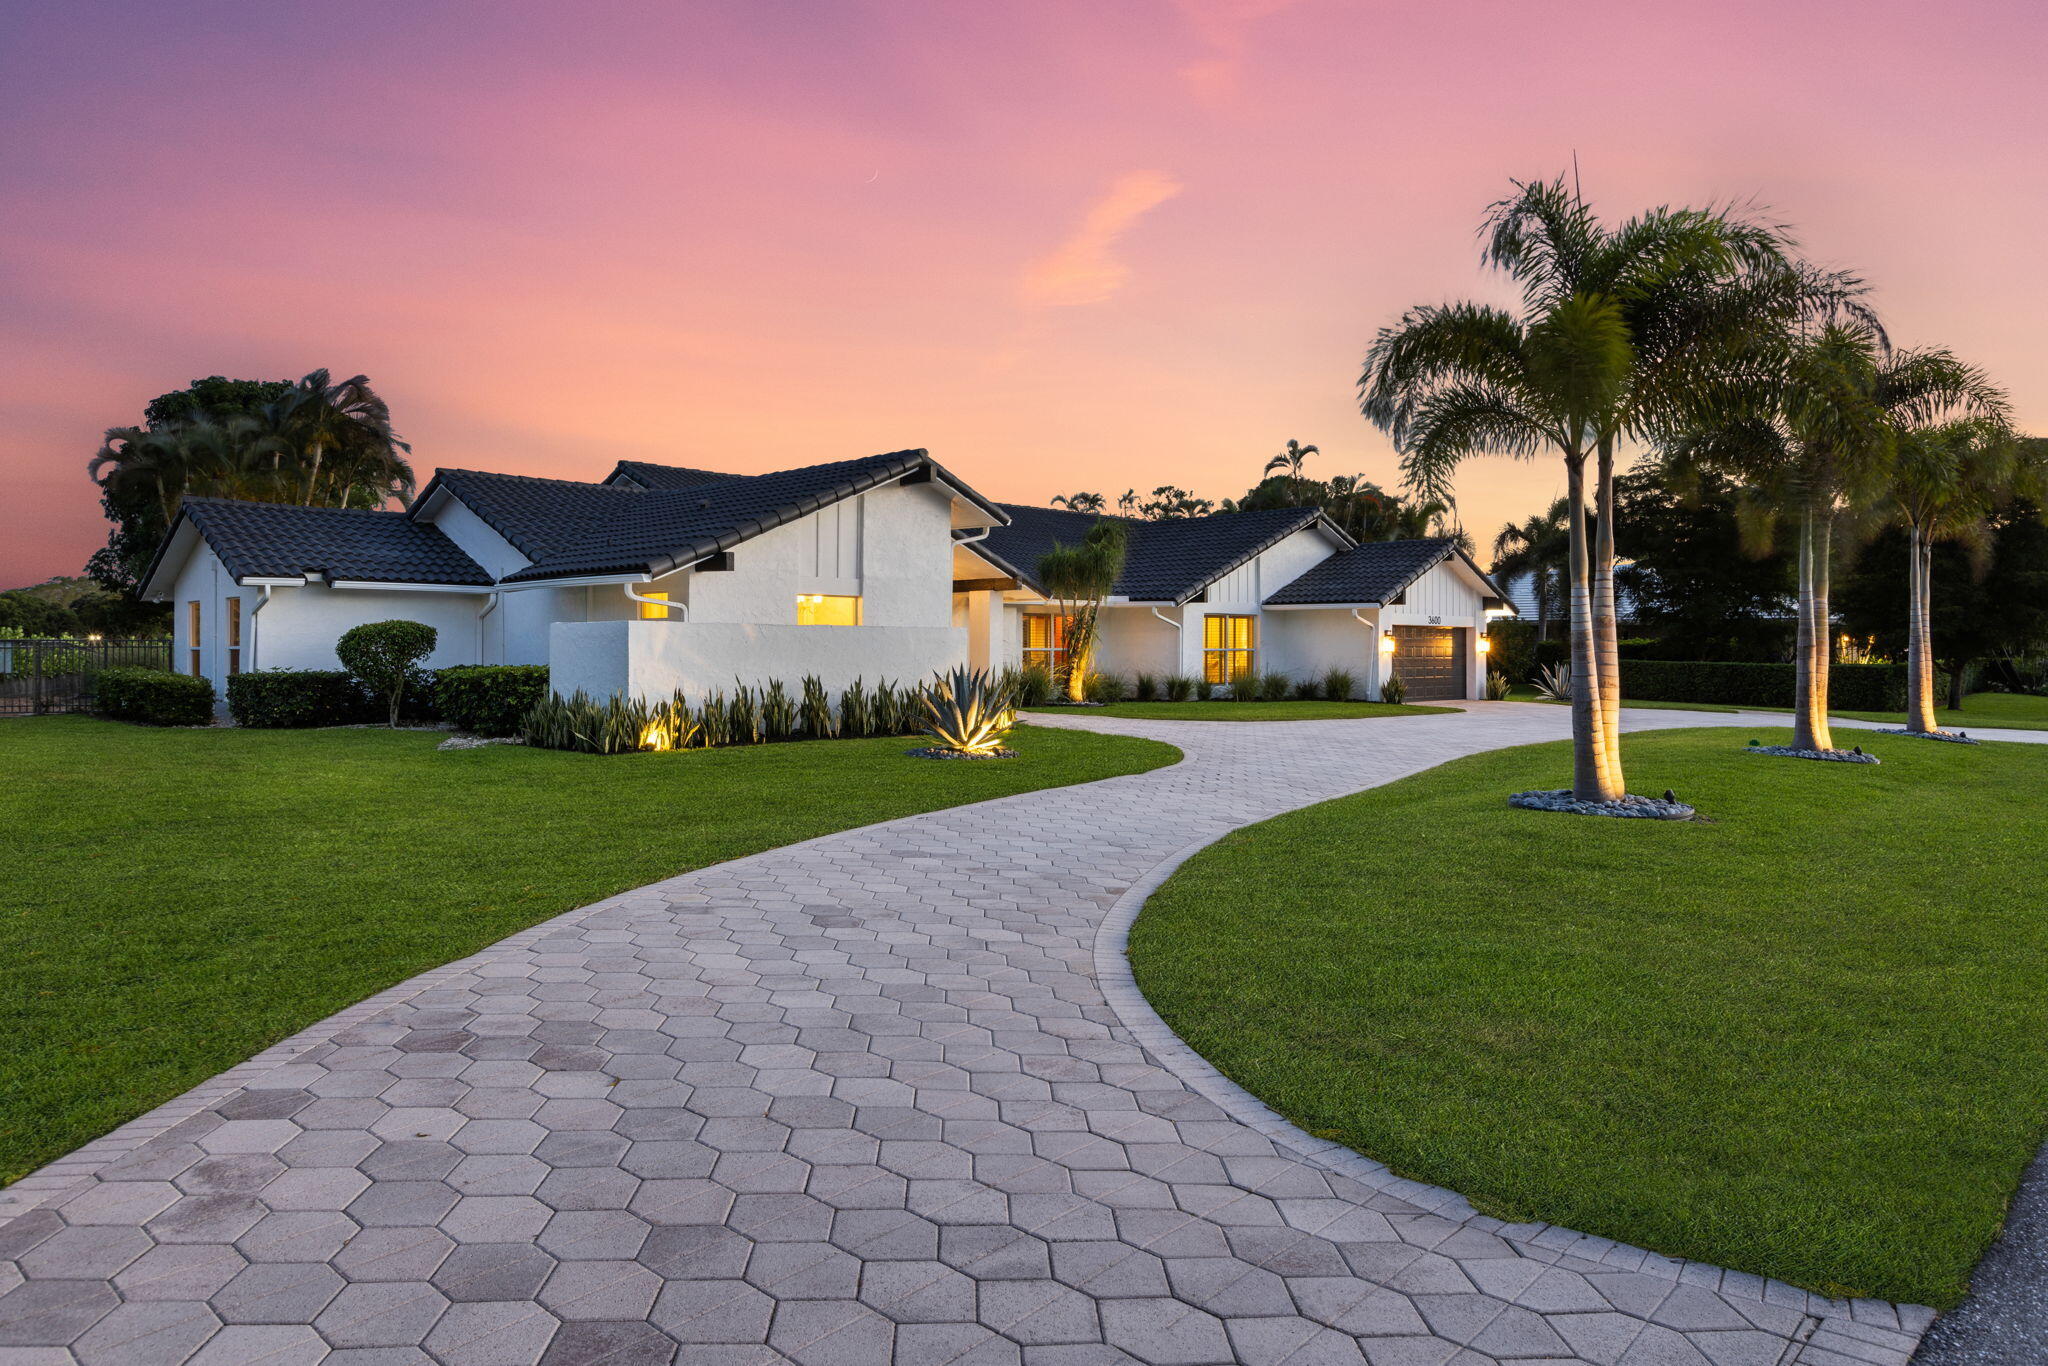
x=1144, y=687
x=967, y=713
x=1035, y=685
x=1339, y=684
x=743, y=716
x=816, y=710
x=1102, y=689
x=778, y=712
x=1178, y=687
x=1394, y=690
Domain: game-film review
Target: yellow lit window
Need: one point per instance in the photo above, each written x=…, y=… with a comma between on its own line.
x=1227, y=648
x=649, y=612
x=827, y=609
x=192, y=634
x=234, y=634
x=1045, y=642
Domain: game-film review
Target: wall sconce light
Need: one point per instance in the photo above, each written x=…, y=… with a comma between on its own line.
x=1386, y=642
x=1484, y=645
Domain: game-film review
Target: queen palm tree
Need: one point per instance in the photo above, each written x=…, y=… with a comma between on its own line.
x=1819, y=419
x=1077, y=578
x=349, y=421
x=1293, y=462
x=1617, y=328
x=1078, y=502
x=1536, y=547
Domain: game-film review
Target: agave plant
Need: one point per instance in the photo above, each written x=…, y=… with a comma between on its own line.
x=968, y=711
x=1554, y=682
x=818, y=721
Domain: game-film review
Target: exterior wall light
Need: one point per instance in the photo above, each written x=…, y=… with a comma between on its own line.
x=1484, y=645
x=1386, y=642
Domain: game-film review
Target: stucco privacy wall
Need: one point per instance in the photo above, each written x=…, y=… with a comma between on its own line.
x=658, y=658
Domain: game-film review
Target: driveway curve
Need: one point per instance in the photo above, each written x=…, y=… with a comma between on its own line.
x=858, y=1100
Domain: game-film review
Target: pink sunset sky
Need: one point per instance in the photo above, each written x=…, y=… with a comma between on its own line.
x=1060, y=245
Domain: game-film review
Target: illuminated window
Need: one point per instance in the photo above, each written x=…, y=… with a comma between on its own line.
x=1045, y=642
x=192, y=634
x=234, y=635
x=827, y=609
x=649, y=612
x=1227, y=648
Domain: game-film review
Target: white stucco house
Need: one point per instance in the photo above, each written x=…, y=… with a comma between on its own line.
x=660, y=578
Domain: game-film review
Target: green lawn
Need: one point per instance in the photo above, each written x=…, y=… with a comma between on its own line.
x=1248, y=711
x=1807, y=1040
x=1981, y=710
x=177, y=900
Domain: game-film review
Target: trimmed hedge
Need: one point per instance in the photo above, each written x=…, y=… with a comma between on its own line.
x=287, y=699
x=151, y=697
x=490, y=699
x=1851, y=687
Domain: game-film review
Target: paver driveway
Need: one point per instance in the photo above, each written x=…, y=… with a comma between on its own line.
x=854, y=1101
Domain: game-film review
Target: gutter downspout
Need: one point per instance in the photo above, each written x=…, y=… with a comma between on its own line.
x=1374, y=654
x=489, y=607
x=1181, y=629
x=255, y=612
x=681, y=609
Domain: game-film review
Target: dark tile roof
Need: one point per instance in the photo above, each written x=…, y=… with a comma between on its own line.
x=1373, y=572
x=1168, y=561
x=650, y=476
x=656, y=530
x=540, y=517
x=279, y=540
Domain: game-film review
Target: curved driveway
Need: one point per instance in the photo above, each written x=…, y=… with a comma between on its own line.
x=854, y=1101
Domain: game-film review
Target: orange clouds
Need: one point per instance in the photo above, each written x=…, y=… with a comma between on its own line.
x=1083, y=269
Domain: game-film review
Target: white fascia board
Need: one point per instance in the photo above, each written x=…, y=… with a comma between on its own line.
x=413, y=587
x=260, y=582
x=583, y=582
x=1318, y=606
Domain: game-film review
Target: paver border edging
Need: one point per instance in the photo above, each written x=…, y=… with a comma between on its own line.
x=1867, y=1326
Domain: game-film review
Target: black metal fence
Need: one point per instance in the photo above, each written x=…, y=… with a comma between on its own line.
x=42, y=676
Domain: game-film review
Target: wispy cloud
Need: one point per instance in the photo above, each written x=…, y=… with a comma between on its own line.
x=1084, y=268
x=1222, y=26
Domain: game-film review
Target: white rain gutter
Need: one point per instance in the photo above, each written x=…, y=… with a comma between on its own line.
x=490, y=606
x=1176, y=625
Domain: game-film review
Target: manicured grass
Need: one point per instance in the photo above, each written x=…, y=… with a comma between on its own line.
x=175, y=901
x=1249, y=711
x=1807, y=1040
x=1982, y=710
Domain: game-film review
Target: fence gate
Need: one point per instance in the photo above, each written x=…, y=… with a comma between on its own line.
x=38, y=677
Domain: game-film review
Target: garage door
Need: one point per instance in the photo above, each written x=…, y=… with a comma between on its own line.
x=1431, y=661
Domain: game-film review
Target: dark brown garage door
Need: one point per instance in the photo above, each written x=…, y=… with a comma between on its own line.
x=1431, y=661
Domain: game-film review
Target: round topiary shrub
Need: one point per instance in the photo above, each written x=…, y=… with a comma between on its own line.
x=383, y=654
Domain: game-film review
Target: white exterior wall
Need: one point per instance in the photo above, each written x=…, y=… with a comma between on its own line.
x=658, y=658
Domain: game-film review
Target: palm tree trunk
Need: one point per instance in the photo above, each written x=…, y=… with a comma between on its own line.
x=1823, y=625
x=1809, y=688
x=313, y=475
x=1590, y=780
x=1540, y=575
x=1919, y=636
x=1606, y=627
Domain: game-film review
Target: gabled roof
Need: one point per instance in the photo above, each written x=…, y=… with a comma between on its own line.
x=649, y=476
x=284, y=541
x=1170, y=561
x=540, y=517
x=1375, y=572
x=654, y=531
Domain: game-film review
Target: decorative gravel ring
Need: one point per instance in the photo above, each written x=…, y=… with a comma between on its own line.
x=1953, y=737
x=1832, y=756
x=933, y=753
x=1629, y=807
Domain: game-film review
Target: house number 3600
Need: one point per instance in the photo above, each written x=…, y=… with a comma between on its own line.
x=1436, y=621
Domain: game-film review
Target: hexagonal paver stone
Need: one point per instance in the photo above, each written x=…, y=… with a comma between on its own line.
x=418, y=1121
x=917, y=1292
x=1109, y=1270
x=601, y=1290
x=392, y=1254
x=995, y=1252
x=207, y=1219
x=179, y=1271
x=831, y=1333
x=500, y=1334
x=594, y=1235
x=272, y=1103
x=682, y=1202
x=695, y=1252
x=712, y=1311
x=271, y=1345
x=781, y=1218
x=610, y=1344
x=497, y=1174
x=670, y=1158
x=388, y=1315
x=144, y=1333
x=120, y=1202
x=89, y=1253
x=804, y=1271
x=1165, y=1332
x=495, y=1218
x=582, y=1148
x=314, y=1188
x=493, y=1271
x=250, y=1136
x=588, y=1188
x=402, y=1204
x=970, y=1344
x=278, y=1292
x=53, y=1313
x=411, y=1159
x=1039, y=1312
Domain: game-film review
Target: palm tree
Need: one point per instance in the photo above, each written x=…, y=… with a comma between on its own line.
x=135, y=463
x=1293, y=462
x=1077, y=578
x=1536, y=547
x=1617, y=330
x=350, y=421
x=1944, y=483
x=1816, y=423
x=1078, y=502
